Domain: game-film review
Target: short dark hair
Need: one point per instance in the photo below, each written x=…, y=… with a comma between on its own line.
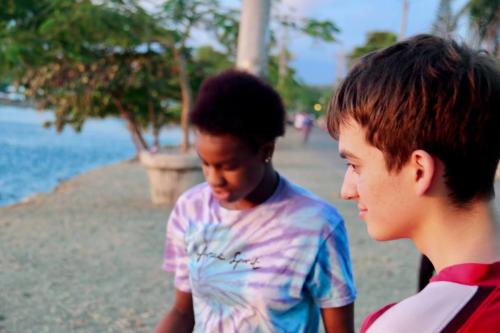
x=238, y=103
x=432, y=94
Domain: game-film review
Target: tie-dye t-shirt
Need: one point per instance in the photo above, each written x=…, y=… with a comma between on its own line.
x=265, y=269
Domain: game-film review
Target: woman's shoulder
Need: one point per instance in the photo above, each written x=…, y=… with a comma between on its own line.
x=304, y=201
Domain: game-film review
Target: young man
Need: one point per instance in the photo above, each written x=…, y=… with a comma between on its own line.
x=418, y=124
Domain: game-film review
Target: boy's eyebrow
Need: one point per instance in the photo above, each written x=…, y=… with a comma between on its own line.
x=347, y=154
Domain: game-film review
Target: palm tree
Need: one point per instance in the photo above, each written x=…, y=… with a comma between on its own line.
x=444, y=24
x=484, y=23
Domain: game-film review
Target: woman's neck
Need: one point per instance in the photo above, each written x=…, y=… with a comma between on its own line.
x=263, y=191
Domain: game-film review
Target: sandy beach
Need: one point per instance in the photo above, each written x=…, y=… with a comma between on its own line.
x=87, y=257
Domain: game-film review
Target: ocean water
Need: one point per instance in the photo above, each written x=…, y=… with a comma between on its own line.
x=34, y=159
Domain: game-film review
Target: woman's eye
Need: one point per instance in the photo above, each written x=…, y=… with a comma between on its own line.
x=230, y=167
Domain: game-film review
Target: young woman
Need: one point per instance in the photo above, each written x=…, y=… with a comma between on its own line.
x=250, y=250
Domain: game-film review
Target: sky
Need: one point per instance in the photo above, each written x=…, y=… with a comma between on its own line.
x=316, y=62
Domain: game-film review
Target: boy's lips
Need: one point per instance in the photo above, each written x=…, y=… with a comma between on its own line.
x=362, y=211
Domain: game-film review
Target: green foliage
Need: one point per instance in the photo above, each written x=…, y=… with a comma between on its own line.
x=296, y=95
x=484, y=21
x=207, y=62
x=323, y=30
x=86, y=59
x=183, y=16
x=311, y=95
x=19, y=38
x=226, y=27
x=78, y=91
x=289, y=87
x=89, y=58
x=484, y=14
x=375, y=40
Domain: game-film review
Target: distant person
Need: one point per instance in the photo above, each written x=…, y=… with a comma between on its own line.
x=419, y=126
x=250, y=250
x=298, y=120
x=304, y=123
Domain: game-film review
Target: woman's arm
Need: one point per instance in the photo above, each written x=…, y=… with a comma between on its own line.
x=339, y=320
x=180, y=318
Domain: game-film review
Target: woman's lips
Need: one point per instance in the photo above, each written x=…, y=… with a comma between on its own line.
x=221, y=194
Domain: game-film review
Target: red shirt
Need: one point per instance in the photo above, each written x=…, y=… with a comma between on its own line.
x=461, y=298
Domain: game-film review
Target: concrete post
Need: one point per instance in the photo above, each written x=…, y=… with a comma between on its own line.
x=254, y=36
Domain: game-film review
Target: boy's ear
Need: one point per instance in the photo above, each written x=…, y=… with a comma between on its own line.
x=424, y=170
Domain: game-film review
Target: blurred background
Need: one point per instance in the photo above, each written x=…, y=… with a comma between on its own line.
x=141, y=63
x=85, y=84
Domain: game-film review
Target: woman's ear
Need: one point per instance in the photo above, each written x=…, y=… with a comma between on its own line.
x=267, y=151
x=424, y=170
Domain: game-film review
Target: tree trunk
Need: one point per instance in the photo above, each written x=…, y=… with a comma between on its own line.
x=254, y=36
x=187, y=97
x=283, y=58
x=444, y=25
x=341, y=64
x=136, y=134
x=154, y=126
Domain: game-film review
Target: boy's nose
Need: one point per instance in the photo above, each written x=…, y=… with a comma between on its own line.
x=349, y=189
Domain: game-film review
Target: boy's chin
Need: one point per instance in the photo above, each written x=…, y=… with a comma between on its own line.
x=381, y=235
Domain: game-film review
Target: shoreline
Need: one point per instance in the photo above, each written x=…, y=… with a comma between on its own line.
x=36, y=160
x=61, y=183
x=23, y=103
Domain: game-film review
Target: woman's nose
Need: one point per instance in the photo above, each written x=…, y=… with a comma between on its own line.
x=214, y=177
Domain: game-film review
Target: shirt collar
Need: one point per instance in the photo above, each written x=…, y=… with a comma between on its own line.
x=471, y=274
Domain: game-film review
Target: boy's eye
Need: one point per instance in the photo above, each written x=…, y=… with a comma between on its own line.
x=353, y=166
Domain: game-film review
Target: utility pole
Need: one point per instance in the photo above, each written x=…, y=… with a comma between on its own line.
x=404, y=20
x=253, y=37
x=341, y=63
